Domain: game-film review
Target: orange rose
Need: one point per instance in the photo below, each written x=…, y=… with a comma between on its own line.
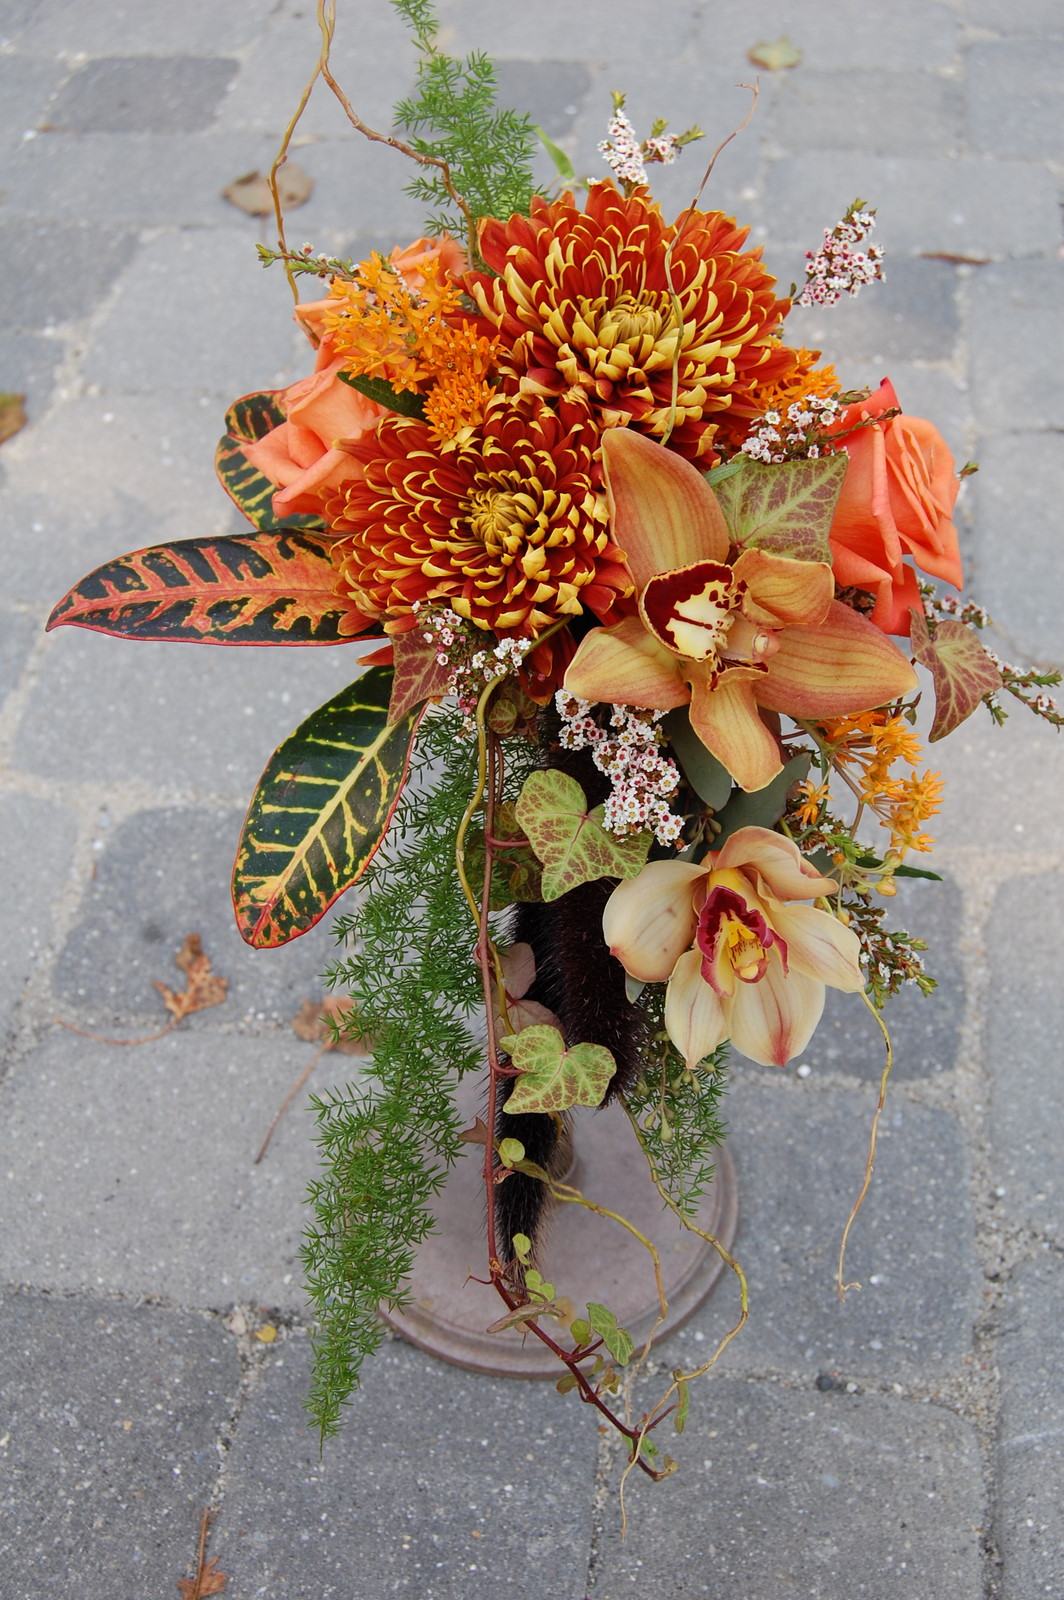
x=897, y=500
x=305, y=455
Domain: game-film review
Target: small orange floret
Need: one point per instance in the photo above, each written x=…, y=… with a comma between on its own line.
x=807, y=382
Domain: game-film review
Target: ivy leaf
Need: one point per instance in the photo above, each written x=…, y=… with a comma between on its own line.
x=404, y=401
x=785, y=508
x=570, y=841
x=618, y=1341
x=761, y=808
x=708, y=777
x=552, y=1077
x=418, y=674
x=962, y=670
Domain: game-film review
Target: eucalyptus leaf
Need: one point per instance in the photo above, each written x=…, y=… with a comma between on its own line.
x=708, y=777
x=761, y=808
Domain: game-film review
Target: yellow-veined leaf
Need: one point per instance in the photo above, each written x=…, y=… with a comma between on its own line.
x=248, y=419
x=320, y=811
x=277, y=588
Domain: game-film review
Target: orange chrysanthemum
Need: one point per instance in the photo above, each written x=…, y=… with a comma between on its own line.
x=806, y=382
x=587, y=303
x=508, y=527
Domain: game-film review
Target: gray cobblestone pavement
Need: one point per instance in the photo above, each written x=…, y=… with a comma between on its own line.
x=905, y=1444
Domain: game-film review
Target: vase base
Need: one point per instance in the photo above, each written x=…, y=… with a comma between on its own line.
x=583, y=1254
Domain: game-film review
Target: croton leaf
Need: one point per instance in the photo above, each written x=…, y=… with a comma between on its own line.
x=570, y=841
x=248, y=419
x=418, y=674
x=962, y=671
x=552, y=1077
x=277, y=588
x=784, y=507
x=321, y=809
x=404, y=401
x=760, y=808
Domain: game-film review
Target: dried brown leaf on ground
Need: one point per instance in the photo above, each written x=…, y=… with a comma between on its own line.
x=207, y=1579
x=251, y=193
x=12, y=415
x=313, y=1024
x=774, y=54
x=203, y=987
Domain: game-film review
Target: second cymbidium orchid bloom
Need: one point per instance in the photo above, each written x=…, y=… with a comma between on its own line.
x=744, y=959
x=730, y=637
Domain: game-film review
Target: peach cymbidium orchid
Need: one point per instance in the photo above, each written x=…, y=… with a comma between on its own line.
x=729, y=637
x=743, y=960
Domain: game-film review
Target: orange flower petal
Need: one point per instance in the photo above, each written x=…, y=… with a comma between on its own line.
x=663, y=514
x=627, y=667
x=726, y=719
x=844, y=665
x=781, y=591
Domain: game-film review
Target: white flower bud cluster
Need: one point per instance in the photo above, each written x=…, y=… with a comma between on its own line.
x=838, y=267
x=799, y=438
x=469, y=671
x=623, y=152
x=641, y=777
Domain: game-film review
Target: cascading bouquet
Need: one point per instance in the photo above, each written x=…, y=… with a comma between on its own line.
x=647, y=588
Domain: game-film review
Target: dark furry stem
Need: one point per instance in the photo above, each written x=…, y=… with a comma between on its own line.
x=578, y=979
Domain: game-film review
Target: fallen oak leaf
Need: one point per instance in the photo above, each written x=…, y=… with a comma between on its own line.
x=251, y=193
x=203, y=987
x=12, y=415
x=207, y=1579
x=774, y=54
x=315, y=1020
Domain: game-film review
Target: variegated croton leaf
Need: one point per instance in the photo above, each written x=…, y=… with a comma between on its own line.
x=248, y=419
x=320, y=811
x=276, y=588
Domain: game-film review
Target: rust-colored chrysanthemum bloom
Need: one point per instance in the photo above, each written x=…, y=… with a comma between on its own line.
x=508, y=526
x=583, y=307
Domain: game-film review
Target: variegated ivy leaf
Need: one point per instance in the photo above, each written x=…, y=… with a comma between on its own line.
x=570, y=841
x=962, y=670
x=785, y=507
x=552, y=1077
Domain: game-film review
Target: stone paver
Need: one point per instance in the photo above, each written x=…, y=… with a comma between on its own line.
x=1024, y=1049
x=38, y=858
x=489, y=1491
x=910, y=1247
x=133, y=311
x=1030, y=1449
x=130, y=1171
x=149, y=94
x=110, y=1415
x=159, y=876
x=798, y=1493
